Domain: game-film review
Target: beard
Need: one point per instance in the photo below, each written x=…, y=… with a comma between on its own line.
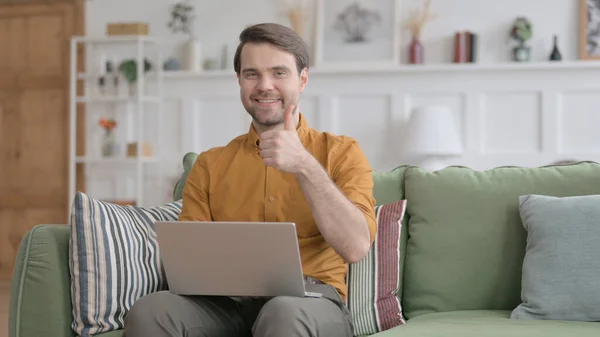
x=272, y=115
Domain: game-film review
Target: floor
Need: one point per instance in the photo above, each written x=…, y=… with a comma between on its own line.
x=4, y=299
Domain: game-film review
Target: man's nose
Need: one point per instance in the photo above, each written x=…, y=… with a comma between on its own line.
x=265, y=83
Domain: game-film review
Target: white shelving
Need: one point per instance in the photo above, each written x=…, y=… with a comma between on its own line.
x=138, y=98
x=399, y=69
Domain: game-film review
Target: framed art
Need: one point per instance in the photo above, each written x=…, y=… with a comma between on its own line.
x=589, y=29
x=357, y=32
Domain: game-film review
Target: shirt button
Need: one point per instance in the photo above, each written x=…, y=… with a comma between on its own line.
x=271, y=198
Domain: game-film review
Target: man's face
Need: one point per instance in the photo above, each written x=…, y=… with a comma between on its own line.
x=269, y=83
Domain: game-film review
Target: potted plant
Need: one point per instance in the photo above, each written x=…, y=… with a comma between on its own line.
x=128, y=69
x=522, y=32
x=181, y=20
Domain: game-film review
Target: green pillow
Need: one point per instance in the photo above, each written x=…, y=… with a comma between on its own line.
x=561, y=269
x=188, y=162
x=466, y=240
x=388, y=188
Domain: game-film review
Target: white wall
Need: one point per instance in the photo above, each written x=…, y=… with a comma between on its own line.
x=509, y=114
x=220, y=22
x=523, y=115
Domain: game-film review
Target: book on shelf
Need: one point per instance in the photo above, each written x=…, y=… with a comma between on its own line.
x=465, y=47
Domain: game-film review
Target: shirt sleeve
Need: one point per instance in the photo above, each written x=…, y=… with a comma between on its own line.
x=353, y=175
x=195, y=205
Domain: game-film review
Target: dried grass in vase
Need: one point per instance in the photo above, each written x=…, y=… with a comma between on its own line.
x=419, y=19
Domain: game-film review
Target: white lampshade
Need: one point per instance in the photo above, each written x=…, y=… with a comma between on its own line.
x=433, y=131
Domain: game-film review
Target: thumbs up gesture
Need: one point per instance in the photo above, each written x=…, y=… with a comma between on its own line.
x=282, y=149
x=288, y=119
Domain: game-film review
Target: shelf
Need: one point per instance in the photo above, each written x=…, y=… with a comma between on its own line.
x=398, y=69
x=113, y=160
x=133, y=47
x=116, y=99
x=460, y=67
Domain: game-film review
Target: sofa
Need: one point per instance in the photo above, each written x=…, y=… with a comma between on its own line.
x=462, y=260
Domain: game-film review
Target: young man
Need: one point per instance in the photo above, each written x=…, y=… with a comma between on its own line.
x=281, y=170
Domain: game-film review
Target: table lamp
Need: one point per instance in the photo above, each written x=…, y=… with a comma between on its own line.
x=432, y=136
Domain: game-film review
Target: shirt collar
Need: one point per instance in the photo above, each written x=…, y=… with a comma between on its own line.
x=302, y=129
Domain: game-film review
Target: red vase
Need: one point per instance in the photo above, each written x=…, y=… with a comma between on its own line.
x=415, y=52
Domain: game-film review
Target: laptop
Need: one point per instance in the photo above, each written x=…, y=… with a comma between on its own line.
x=236, y=259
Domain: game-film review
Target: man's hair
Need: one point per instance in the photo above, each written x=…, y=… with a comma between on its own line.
x=280, y=36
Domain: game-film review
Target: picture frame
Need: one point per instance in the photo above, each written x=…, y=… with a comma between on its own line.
x=357, y=33
x=589, y=29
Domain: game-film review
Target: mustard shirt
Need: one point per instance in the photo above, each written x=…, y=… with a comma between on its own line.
x=232, y=183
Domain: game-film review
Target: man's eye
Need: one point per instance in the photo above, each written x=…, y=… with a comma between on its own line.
x=280, y=73
x=249, y=75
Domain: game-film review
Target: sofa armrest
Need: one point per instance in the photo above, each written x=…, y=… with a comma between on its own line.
x=40, y=299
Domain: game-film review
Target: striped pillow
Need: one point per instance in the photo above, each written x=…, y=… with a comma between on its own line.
x=114, y=260
x=373, y=282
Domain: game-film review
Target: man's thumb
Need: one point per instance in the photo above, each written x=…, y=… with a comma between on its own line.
x=288, y=119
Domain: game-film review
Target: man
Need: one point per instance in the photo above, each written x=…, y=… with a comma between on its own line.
x=281, y=170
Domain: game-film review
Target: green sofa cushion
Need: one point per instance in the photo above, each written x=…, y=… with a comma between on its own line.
x=466, y=239
x=389, y=187
x=488, y=324
x=188, y=162
x=40, y=299
x=561, y=268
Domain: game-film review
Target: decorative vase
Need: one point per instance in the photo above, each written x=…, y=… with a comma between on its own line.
x=193, y=55
x=109, y=146
x=522, y=53
x=415, y=51
x=555, y=55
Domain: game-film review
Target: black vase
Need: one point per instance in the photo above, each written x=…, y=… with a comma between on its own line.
x=555, y=55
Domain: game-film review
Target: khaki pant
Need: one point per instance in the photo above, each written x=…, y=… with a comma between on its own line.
x=166, y=314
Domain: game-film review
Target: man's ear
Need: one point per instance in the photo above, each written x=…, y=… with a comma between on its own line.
x=303, y=79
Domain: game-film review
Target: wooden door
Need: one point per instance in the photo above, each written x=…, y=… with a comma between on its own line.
x=34, y=118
